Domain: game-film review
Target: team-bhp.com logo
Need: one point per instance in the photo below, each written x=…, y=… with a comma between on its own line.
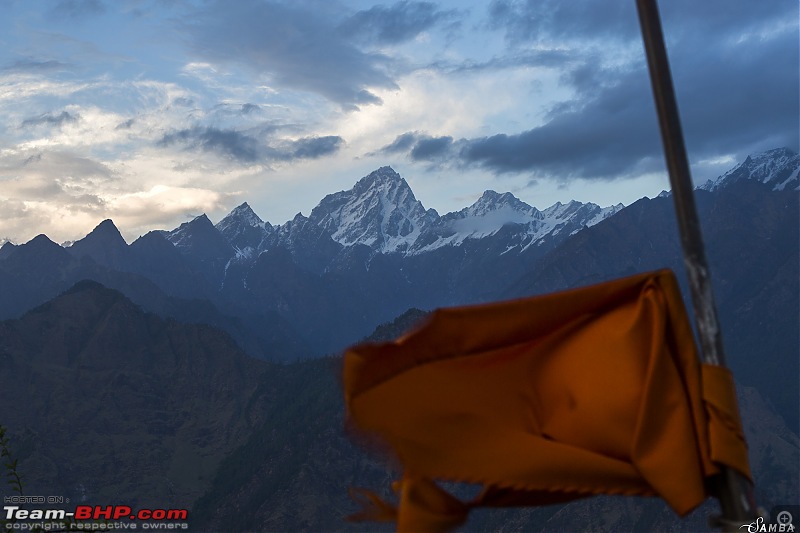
x=95, y=517
x=116, y=512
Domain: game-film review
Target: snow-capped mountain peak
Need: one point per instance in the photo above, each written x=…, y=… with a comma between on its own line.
x=485, y=217
x=385, y=178
x=494, y=202
x=243, y=214
x=245, y=230
x=183, y=235
x=524, y=224
x=380, y=211
x=778, y=168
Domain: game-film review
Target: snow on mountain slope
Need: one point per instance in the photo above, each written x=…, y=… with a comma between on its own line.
x=490, y=213
x=380, y=211
x=493, y=211
x=241, y=218
x=187, y=235
x=246, y=232
x=587, y=214
x=779, y=168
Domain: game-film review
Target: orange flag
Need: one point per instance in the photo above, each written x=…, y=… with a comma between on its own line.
x=547, y=399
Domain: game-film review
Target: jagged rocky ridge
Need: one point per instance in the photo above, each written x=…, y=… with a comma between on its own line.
x=382, y=213
x=314, y=284
x=778, y=169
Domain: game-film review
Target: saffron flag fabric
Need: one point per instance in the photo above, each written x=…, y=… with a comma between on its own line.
x=596, y=390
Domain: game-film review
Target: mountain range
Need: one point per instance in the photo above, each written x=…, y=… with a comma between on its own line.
x=157, y=379
x=314, y=284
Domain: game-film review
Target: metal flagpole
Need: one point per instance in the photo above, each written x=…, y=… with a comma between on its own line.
x=734, y=491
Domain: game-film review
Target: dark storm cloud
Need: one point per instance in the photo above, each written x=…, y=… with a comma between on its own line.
x=294, y=47
x=562, y=149
x=229, y=143
x=725, y=103
x=419, y=146
x=744, y=96
x=77, y=9
x=314, y=147
x=431, y=149
x=735, y=71
x=397, y=23
x=248, y=149
x=612, y=135
x=51, y=120
x=402, y=143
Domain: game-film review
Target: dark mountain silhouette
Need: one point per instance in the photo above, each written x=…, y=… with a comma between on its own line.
x=112, y=402
x=152, y=271
x=204, y=247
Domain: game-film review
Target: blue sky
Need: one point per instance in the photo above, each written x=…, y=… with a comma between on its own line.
x=150, y=112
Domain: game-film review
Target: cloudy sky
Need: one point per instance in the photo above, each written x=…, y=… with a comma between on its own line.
x=151, y=112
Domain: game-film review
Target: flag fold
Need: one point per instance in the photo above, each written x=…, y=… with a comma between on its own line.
x=596, y=390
